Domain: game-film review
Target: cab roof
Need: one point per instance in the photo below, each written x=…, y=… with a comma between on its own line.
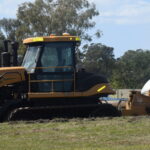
x=52, y=38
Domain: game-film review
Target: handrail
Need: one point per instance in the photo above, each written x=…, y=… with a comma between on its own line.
x=3, y=75
x=34, y=81
x=52, y=81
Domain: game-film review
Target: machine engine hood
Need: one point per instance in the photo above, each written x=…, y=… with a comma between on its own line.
x=11, y=75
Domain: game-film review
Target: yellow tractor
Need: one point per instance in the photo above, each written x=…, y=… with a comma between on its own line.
x=50, y=79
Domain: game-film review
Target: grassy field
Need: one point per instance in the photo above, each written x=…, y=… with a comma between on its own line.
x=124, y=133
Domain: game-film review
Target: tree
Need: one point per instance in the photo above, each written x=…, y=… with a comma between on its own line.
x=99, y=59
x=8, y=28
x=44, y=17
x=2, y=38
x=132, y=69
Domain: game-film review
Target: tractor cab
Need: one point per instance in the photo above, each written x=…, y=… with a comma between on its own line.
x=50, y=63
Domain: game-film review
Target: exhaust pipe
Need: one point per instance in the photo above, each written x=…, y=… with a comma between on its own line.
x=6, y=45
x=15, y=46
x=6, y=58
x=5, y=55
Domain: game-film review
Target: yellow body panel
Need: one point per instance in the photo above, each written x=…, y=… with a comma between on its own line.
x=90, y=92
x=10, y=75
x=51, y=39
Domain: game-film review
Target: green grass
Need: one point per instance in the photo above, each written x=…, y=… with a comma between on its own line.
x=124, y=133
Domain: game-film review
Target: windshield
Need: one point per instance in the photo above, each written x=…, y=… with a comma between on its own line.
x=57, y=55
x=31, y=57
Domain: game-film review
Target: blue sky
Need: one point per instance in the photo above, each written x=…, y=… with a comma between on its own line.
x=125, y=23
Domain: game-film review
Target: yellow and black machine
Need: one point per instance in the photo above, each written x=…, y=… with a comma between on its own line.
x=49, y=78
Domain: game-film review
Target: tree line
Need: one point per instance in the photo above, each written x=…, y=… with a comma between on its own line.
x=44, y=17
x=131, y=70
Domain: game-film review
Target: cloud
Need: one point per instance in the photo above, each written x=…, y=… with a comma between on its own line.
x=124, y=12
x=103, y=2
x=111, y=11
